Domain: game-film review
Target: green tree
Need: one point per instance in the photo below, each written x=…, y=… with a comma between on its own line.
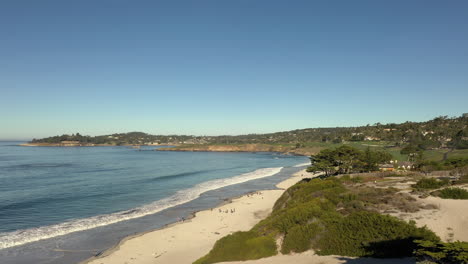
x=347, y=158
x=323, y=162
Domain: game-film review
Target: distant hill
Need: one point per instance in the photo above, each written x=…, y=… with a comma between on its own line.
x=131, y=138
x=439, y=133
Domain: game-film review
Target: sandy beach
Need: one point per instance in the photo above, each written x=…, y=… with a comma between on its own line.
x=449, y=220
x=186, y=241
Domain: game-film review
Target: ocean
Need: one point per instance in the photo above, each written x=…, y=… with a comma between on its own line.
x=64, y=205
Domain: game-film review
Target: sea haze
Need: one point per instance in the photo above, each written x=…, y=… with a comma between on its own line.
x=47, y=192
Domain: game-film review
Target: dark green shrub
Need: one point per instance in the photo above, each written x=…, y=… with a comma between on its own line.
x=452, y=193
x=430, y=183
x=326, y=216
x=369, y=234
x=442, y=253
x=305, y=191
x=456, y=162
x=299, y=238
x=283, y=220
x=240, y=246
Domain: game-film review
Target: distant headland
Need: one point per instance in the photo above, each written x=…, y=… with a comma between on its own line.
x=440, y=137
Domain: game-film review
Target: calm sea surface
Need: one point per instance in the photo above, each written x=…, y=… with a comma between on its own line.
x=50, y=192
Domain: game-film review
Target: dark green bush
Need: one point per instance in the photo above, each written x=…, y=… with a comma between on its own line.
x=299, y=238
x=456, y=162
x=452, y=193
x=442, y=253
x=281, y=221
x=322, y=214
x=369, y=234
x=306, y=191
x=240, y=246
x=430, y=183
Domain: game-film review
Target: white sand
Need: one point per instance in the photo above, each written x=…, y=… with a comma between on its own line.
x=186, y=242
x=449, y=221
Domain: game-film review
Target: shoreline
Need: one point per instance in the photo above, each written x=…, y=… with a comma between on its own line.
x=84, y=145
x=233, y=151
x=240, y=148
x=249, y=147
x=186, y=241
x=192, y=215
x=212, y=224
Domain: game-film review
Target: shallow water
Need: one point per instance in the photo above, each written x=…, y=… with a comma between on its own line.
x=80, y=201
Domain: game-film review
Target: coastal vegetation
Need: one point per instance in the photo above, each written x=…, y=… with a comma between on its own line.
x=131, y=138
x=251, y=244
x=429, y=252
x=445, y=186
x=458, y=165
x=430, y=183
x=346, y=212
x=347, y=159
x=324, y=214
x=452, y=193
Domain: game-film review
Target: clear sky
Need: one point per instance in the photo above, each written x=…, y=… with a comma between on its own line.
x=227, y=67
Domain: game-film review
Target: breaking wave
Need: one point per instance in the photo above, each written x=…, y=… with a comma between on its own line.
x=20, y=237
x=302, y=164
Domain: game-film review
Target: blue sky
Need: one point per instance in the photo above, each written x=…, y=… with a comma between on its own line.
x=227, y=67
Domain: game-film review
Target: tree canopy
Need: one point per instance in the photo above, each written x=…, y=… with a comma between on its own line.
x=347, y=159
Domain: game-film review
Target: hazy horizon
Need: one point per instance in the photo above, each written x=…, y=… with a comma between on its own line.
x=129, y=131
x=227, y=68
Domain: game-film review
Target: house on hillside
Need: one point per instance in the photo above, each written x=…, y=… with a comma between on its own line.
x=405, y=165
x=386, y=167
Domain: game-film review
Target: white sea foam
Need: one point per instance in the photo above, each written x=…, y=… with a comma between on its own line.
x=302, y=164
x=20, y=237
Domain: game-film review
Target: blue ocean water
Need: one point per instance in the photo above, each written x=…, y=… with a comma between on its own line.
x=46, y=192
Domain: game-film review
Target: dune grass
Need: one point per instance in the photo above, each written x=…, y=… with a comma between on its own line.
x=370, y=234
x=429, y=183
x=240, y=246
x=452, y=193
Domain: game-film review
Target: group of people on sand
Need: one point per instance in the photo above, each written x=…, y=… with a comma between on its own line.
x=252, y=194
x=233, y=210
x=227, y=211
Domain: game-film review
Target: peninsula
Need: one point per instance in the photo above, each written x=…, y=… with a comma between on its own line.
x=440, y=138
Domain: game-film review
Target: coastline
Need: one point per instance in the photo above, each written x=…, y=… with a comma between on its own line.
x=77, y=145
x=244, y=148
x=198, y=148
x=186, y=241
